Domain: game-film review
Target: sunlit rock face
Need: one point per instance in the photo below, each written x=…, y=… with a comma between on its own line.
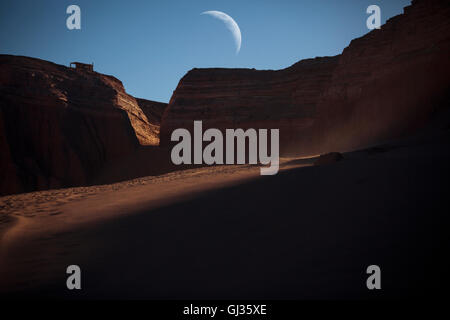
x=59, y=125
x=384, y=84
x=153, y=111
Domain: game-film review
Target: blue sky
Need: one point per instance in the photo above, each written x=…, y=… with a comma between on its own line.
x=150, y=45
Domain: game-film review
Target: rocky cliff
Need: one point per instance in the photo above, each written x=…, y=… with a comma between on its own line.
x=384, y=84
x=388, y=82
x=59, y=126
x=247, y=98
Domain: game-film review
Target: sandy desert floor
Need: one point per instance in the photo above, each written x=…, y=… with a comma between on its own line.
x=23, y=215
x=227, y=232
x=38, y=216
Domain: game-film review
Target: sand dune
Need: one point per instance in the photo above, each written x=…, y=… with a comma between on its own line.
x=227, y=232
x=28, y=217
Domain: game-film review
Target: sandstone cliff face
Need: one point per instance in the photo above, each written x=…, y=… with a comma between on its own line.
x=145, y=131
x=153, y=111
x=58, y=126
x=384, y=84
x=388, y=82
x=244, y=98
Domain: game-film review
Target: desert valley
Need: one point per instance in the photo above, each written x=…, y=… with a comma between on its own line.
x=87, y=176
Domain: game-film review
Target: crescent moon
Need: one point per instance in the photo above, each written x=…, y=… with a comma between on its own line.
x=230, y=24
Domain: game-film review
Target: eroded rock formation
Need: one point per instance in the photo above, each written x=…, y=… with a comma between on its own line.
x=153, y=111
x=59, y=126
x=245, y=98
x=388, y=82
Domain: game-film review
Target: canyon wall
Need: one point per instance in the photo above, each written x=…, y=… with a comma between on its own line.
x=59, y=126
x=244, y=98
x=383, y=85
x=388, y=82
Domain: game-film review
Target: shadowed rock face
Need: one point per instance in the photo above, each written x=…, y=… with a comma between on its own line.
x=58, y=126
x=153, y=111
x=388, y=82
x=383, y=85
x=243, y=98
